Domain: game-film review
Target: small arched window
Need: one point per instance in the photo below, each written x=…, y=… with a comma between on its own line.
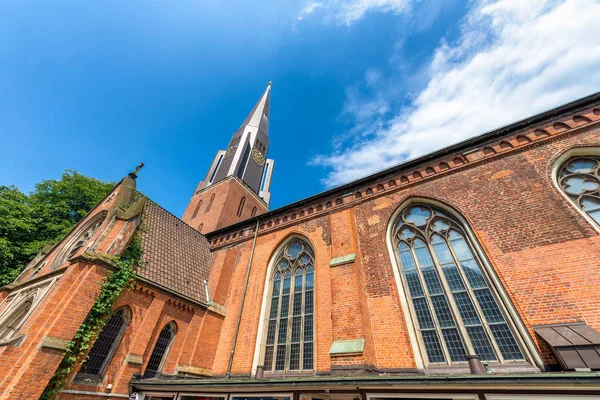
x=212, y=198
x=72, y=245
x=200, y=227
x=241, y=207
x=197, y=208
x=290, y=330
x=18, y=306
x=454, y=309
x=161, y=350
x=12, y=322
x=253, y=212
x=105, y=345
x=579, y=179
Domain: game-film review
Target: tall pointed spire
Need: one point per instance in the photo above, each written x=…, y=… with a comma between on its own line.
x=246, y=155
x=259, y=116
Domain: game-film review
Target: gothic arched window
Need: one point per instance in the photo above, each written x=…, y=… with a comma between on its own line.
x=579, y=179
x=12, y=322
x=253, y=212
x=197, y=208
x=105, y=344
x=18, y=306
x=212, y=198
x=455, y=310
x=78, y=240
x=241, y=206
x=161, y=350
x=290, y=328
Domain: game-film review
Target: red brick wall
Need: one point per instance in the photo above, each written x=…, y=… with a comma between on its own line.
x=542, y=250
x=223, y=211
x=26, y=369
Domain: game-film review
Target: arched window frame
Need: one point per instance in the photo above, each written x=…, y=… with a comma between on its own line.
x=172, y=327
x=210, y=202
x=241, y=206
x=259, y=351
x=253, y=212
x=108, y=356
x=80, y=236
x=522, y=336
x=13, y=304
x=197, y=209
x=557, y=165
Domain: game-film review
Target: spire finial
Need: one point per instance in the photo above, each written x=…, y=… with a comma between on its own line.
x=270, y=83
x=134, y=174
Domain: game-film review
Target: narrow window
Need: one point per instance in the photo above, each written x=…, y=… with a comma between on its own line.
x=242, y=167
x=264, y=179
x=241, y=206
x=579, y=179
x=105, y=345
x=253, y=212
x=454, y=308
x=212, y=198
x=200, y=227
x=161, y=350
x=197, y=208
x=289, y=339
x=212, y=177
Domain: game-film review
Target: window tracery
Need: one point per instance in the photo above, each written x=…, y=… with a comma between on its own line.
x=17, y=308
x=454, y=309
x=579, y=179
x=78, y=240
x=290, y=328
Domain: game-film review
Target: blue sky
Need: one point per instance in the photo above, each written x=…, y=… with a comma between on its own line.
x=358, y=85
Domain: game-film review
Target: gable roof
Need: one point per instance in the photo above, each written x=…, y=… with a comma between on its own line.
x=176, y=256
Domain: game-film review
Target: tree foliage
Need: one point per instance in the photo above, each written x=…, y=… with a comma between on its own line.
x=44, y=216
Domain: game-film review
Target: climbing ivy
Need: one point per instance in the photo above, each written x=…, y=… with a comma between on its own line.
x=121, y=278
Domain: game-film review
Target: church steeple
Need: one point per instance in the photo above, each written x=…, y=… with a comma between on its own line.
x=244, y=164
x=246, y=155
x=259, y=116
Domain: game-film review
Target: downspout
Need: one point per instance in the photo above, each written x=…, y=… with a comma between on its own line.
x=239, y=319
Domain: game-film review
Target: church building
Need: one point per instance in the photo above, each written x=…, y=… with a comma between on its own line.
x=469, y=273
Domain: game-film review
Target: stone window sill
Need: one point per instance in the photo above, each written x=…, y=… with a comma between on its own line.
x=14, y=341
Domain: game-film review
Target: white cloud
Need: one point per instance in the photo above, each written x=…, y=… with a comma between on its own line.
x=353, y=10
x=514, y=58
x=349, y=11
x=309, y=9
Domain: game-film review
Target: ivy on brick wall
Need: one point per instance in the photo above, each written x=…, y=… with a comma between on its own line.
x=121, y=278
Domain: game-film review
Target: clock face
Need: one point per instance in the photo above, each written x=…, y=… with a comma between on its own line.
x=258, y=157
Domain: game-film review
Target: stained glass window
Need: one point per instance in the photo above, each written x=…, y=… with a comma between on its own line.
x=455, y=310
x=579, y=178
x=289, y=339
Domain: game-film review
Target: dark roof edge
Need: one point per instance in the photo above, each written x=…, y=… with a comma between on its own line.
x=362, y=381
x=462, y=145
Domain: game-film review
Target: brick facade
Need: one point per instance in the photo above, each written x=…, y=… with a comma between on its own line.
x=224, y=199
x=539, y=248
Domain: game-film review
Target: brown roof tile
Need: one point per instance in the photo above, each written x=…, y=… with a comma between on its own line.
x=176, y=255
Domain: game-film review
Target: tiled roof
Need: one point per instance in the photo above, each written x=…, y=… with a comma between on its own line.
x=176, y=255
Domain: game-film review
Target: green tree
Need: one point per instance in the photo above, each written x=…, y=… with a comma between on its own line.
x=44, y=216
